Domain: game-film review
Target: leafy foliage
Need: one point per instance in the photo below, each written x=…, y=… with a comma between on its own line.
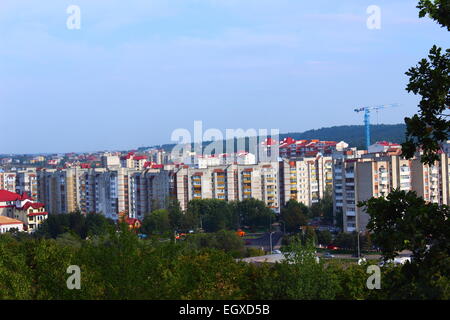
x=77, y=223
x=438, y=10
x=295, y=215
x=430, y=128
x=403, y=221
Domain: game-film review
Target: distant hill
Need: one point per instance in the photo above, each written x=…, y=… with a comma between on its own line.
x=353, y=135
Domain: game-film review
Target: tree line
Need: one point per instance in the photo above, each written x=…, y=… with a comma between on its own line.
x=119, y=265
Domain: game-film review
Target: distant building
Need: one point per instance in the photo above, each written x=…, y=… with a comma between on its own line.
x=375, y=175
x=6, y=224
x=306, y=180
x=384, y=146
x=291, y=148
x=21, y=207
x=109, y=161
x=229, y=183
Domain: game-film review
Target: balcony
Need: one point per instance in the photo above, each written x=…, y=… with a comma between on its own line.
x=350, y=174
x=350, y=213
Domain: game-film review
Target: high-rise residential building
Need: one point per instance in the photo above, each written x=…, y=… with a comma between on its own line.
x=306, y=180
x=133, y=161
x=291, y=148
x=229, y=182
x=109, y=161
x=60, y=189
x=8, y=181
x=375, y=175
x=104, y=191
x=26, y=181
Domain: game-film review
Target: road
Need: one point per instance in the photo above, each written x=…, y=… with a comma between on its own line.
x=264, y=241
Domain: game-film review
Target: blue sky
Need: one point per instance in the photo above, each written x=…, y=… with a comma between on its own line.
x=139, y=69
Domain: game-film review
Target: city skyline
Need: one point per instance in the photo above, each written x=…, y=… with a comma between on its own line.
x=134, y=73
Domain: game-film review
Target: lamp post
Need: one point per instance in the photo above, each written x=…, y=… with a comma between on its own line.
x=359, y=251
x=357, y=230
x=271, y=248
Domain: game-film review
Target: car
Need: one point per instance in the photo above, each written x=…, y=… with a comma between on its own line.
x=332, y=247
x=276, y=251
x=328, y=255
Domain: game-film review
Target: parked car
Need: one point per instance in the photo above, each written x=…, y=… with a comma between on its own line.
x=276, y=251
x=332, y=247
x=328, y=255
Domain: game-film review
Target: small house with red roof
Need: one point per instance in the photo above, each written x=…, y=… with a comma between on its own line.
x=23, y=208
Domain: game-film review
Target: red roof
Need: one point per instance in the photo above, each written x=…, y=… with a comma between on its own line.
x=36, y=205
x=387, y=144
x=37, y=214
x=132, y=221
x=6, y=196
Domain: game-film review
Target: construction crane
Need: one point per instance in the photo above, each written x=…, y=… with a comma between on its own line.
x=367, y=111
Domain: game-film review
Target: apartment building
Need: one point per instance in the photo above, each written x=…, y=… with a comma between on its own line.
x=306, y=180
x=375, y=175
x=60, y=189
x=133, y=161
x=149, y=190
x=8, y=181
x=103, y=190
x=109, y=161
x=26, y=181
x=290, y=148
x=229, y=183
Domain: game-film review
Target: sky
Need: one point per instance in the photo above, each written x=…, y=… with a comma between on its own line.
x=136, y=70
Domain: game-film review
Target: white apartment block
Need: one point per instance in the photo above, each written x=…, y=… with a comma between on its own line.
x=8, y=181
x=105, y=191
x=306, y=180
x=26, y=181
x=376, y=175
x=229, y=183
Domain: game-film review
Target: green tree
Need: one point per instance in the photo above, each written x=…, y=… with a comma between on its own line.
x=403, y=221
x=437, y=10
x=156, y=222
x=324, y=237
x=175, y=214
x=326, y=204
x=97, y=224
x=431, y=80
x=294, y=214
x=429, y=129
x=254, y=213
x=214, y=214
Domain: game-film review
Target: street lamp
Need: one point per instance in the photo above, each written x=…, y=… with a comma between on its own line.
x=357, y=230
x=271, y=248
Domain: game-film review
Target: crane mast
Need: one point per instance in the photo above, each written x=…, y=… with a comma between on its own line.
x=367, y=111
